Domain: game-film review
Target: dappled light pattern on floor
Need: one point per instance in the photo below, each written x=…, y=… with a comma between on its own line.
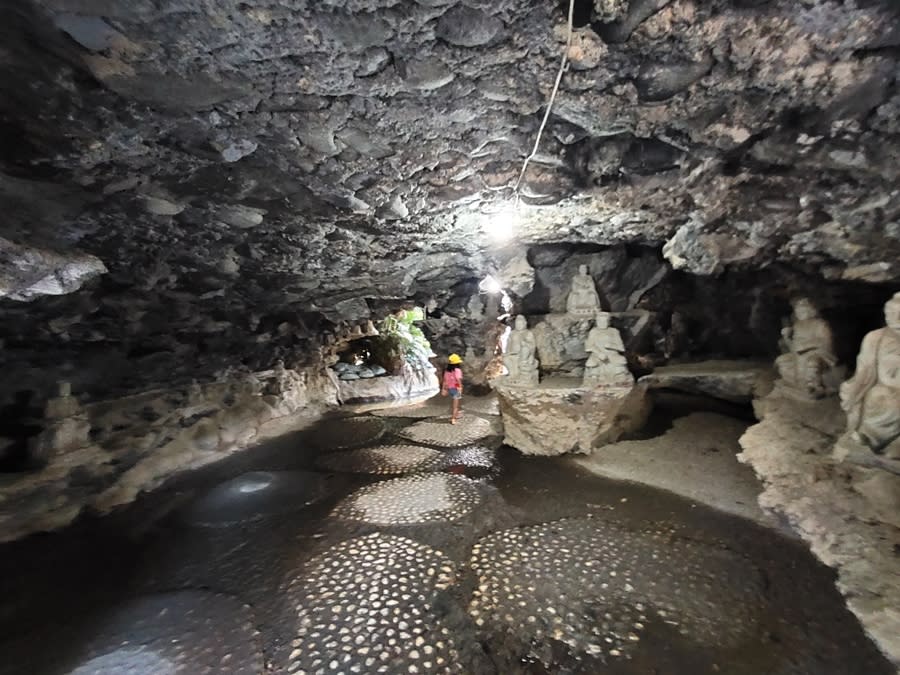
x=473, y=456
x=385, y=460
x=254, y=495
x=412, y=500
x=349, y=432
x=418, y=411
x=185, y=632
x=367, y=605
x=468, y=430
x=596, y=586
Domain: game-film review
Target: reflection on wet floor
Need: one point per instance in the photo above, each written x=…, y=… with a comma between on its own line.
x=303, y=556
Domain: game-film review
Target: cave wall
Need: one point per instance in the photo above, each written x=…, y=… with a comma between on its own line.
x=227, y=182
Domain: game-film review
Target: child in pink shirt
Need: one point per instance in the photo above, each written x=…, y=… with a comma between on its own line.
x=452, y=385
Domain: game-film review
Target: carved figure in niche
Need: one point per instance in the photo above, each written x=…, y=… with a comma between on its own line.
x=63, y=404
x=583, y=299
x=67, y=427
x=195, y=394
x=809, y=366
x=872, y=396
x=606, y=363
x=520, y=359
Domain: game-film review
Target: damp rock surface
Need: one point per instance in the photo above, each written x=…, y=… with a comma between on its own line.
x=369, y=605
x=469, y=429
x=183, y=631
x=412, y=500
x=385, y=459
x=595, y=587
x=254, y=495
x=347, y=432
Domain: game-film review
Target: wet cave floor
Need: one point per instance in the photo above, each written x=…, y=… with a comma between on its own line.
x=393, y=542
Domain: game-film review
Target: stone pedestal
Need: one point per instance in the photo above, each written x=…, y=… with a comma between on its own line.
x=561, y=415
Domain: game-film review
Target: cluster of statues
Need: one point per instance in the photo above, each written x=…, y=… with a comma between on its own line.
x=606, y=363
x=809, y=369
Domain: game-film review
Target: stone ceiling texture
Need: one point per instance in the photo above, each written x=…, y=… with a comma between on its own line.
x=205, y=164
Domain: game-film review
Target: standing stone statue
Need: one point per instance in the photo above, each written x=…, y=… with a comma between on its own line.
x=66, y=425
x=520, y=359
x=606, y=363
x=583, y=299
x=809, y=367
x=872, y=396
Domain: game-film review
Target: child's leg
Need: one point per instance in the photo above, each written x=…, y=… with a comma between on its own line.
x=455, y=408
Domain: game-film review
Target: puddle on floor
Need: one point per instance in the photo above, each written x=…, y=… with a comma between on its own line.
x=528, y=566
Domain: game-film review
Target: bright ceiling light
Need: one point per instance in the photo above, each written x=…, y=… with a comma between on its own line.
x=490, y=285
x=500, y=226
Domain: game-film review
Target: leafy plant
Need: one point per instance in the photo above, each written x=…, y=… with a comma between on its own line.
x=401, y=341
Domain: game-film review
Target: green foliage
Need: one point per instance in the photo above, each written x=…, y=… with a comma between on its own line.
x=401, y=340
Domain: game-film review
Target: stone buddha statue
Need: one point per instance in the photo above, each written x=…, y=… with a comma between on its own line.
x=519, y=359
x=583, y=299
x=872, y=396
x=606, y=363
x=809, y=366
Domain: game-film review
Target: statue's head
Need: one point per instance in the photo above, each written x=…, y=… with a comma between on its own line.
x=582, y=270
x=892, y=312
x=804, y=309
x=602, y=319
x=521, y=322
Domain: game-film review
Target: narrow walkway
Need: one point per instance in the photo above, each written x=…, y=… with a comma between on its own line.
x=398, y=543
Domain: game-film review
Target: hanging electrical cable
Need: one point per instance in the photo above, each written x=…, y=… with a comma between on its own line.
x=551, y=100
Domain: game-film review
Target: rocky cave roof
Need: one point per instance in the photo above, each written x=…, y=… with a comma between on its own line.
x=206, y=164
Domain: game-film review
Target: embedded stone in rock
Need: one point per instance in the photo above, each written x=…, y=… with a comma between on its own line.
x=428, y=75
x=255, y=495
x=429, y=498
x=162, y=207
x=368, y=605
x=27, y=273
x=349, y=432
x=563, y=415
x=467, y=430
x=150, y=636
x=657, y=82
x=386, y=459
x=243, y=217
x=91, y=32
x=468, y=27
x=597, y=587
x=236, y=150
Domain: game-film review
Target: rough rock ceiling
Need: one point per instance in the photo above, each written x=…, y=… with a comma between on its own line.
x=241, y=162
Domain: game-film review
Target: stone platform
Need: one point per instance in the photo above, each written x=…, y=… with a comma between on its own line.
x=845, y=512
x=561, y=415
x=735, y=381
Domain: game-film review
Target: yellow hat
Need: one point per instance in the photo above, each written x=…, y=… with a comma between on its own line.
x=454, y=359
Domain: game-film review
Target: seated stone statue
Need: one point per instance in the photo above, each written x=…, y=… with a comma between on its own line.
x=809, y=367
x=520, y=360
x=583, y=299
x=872, y=396
x=606, y=363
